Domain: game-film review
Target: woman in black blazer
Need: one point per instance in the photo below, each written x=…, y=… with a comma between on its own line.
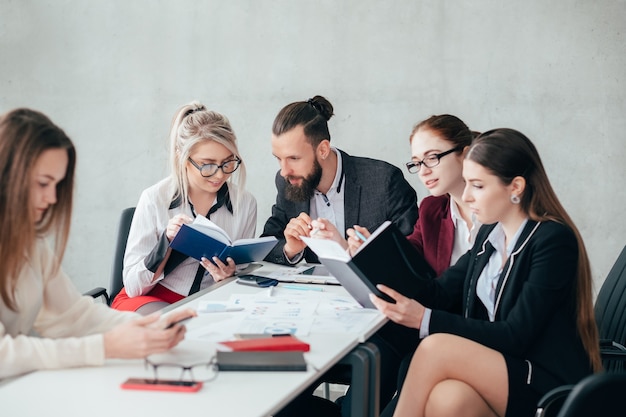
x=513, y=318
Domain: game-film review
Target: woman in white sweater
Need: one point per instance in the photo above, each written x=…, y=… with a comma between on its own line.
x=45, y=323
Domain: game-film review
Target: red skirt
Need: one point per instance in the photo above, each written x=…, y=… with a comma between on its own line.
x=159, y=293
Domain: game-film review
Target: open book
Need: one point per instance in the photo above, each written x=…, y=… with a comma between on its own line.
x=386, y=257
x=203, y=238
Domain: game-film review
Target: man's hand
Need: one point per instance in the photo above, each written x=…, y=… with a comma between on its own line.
x=298, y=226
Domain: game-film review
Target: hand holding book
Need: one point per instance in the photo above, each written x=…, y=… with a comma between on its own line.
x=203, y=238
x=386, y=257
x=174, y=225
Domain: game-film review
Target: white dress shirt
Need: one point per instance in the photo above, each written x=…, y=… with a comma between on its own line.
x=327, y=206
x=330, y=205
x=488, y=279
x=149, y=223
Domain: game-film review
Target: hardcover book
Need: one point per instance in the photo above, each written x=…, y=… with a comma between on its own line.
x=271, y=343
x=386, y=257
x=203, y=238
x=261, y=361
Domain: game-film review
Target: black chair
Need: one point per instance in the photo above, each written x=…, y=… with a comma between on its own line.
x=610, y=312
x=117, y=282
x=596, y=395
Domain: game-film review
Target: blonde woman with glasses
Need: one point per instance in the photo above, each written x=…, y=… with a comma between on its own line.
x=207, y=178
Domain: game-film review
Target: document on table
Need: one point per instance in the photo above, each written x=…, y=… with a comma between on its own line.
x=299, y=274
x=270, y=315
x=285, y=311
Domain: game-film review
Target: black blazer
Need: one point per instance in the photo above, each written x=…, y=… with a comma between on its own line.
x=535, y=311
x=375, y=191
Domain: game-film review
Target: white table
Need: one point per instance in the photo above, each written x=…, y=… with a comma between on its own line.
x=95, y=391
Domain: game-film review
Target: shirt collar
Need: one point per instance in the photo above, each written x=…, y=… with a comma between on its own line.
x=454, y=213
x=337, y=181
x=497, y=238
x=339, y=172
x=223, y=198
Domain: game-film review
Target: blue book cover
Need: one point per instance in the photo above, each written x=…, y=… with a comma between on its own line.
x=203, y=238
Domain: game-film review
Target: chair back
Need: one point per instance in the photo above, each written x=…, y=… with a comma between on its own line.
x=596, y=395
x=123, y=228
x=610, y=306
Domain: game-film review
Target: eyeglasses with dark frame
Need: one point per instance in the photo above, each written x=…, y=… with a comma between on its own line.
x=208, y=170
x=206, y=371
x=430, y=161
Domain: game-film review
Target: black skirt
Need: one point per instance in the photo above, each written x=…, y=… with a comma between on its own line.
x=527, y=384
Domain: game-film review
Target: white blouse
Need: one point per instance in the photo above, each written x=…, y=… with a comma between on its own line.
x=149, y=223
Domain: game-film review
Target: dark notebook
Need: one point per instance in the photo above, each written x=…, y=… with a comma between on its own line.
x=387, y=257
x=260, y=361
x=203, y=238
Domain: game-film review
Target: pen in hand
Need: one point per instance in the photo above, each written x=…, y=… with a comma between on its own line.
x=359, y=235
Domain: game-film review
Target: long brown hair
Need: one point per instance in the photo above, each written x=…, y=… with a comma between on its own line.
x=24, y=135
x=507, y=153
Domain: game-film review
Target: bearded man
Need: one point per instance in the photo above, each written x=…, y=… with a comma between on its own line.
x=318, y=181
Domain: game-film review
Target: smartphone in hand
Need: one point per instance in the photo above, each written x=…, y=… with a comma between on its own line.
x=181, y=321
x=161, y=385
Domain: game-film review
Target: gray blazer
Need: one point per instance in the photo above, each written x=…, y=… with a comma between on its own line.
x=375, y=191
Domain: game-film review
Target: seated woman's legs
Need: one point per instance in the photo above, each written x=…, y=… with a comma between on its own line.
x=451, y=375
x=155, y=300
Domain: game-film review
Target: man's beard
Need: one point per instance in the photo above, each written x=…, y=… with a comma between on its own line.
x=306, y=190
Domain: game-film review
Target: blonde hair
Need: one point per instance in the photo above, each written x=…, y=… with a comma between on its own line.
x=24, y=136
x=194, y=124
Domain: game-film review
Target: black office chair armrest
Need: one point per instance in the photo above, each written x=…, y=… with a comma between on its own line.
x=613, y=356
x=550, y=404
x=98, y=292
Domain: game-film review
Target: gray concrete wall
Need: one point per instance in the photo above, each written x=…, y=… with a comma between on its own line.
x=112, y=73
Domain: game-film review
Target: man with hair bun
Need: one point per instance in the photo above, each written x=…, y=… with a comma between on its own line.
x=323, y=189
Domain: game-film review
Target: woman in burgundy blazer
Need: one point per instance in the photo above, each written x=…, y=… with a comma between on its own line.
x=437, y=148
x=433, y=234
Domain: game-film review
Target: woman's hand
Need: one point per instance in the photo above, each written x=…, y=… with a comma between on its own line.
x=218, y=269
x=405, y=311
x=324, y=229
x=354, y=241
x=145, y=335
x=173, y=226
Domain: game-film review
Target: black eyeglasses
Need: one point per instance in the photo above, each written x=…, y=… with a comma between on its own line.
x=200, y=372
x=430, y=161
x=208, y=170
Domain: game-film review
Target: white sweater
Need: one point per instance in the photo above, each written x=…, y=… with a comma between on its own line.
x=54, y=326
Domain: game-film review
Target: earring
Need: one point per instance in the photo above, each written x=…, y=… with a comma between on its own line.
x=515, y=199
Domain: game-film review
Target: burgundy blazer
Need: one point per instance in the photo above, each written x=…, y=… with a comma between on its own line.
x=433, y=233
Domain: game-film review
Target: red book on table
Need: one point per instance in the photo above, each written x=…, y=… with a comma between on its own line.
x=277, y=343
